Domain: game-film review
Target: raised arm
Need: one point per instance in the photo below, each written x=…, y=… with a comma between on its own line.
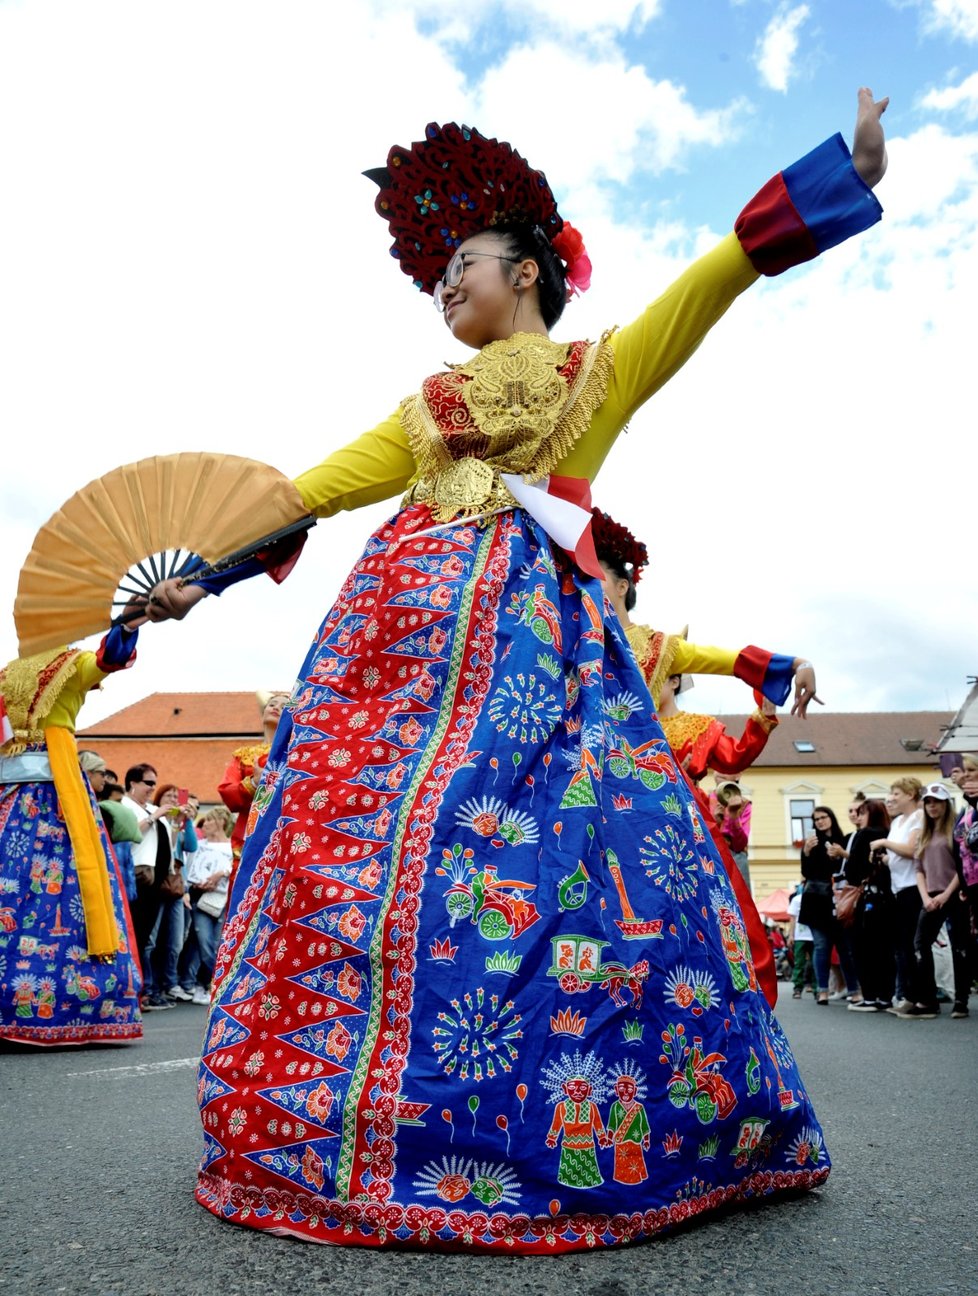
x=811, y=206
x=771, y=674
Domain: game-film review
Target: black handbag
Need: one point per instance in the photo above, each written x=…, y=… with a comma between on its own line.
x=816, y=904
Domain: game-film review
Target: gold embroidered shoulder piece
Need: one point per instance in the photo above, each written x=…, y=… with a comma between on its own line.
x=248, y=755
x=655, y=651
x=518, y=407
x=31, y=686
x=682, y=730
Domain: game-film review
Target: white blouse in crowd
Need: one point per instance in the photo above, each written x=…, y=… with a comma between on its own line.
x=207, y=859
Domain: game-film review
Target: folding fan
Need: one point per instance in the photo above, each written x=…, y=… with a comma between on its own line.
x=146, y=521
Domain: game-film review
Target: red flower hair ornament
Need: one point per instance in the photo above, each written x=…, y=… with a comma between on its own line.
x=569, y=246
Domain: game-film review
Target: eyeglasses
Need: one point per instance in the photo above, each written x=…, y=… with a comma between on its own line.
x=456, y=268
x=148, y=782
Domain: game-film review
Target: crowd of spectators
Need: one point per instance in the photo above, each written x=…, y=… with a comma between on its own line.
x=177, y=863
x=877, y=899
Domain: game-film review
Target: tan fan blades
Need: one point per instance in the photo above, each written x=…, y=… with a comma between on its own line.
x=211, y=504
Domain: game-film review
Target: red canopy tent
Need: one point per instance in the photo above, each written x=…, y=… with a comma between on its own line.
x=775, y=906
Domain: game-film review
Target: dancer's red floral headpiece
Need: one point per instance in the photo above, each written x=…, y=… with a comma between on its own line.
x=456, y=183
x=615, y=544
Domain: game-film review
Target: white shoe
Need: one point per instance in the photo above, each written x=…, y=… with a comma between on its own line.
x=838, y=996
x=178, y=992
x=200, y=996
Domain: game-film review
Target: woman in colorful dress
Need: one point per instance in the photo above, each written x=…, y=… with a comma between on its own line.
x=68, y=967
x=244, y=770
x=476, y=887
x=702, y=742
x=663, y=658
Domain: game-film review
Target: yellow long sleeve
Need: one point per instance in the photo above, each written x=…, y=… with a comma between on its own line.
x=701, y=659
x=64, y=712
x=376, y=466
x=657, y=344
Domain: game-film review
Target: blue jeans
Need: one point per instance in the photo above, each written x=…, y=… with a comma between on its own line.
x=189, y=965
x=824, y=940
x=208, y=930
x=168, y=942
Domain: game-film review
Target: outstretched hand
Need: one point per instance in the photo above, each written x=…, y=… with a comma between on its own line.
x=804, y=691
x=171, y=600
x=868, y=142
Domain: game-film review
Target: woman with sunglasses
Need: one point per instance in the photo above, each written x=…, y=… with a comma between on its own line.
x=475, y=881
x=68, y=967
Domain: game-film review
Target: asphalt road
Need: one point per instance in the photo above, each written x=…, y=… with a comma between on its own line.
x=99, y=1148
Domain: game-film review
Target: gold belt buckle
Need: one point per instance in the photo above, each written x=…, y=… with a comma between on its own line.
x=466, y=484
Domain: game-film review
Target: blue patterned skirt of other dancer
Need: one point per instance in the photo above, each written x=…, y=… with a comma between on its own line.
x=51, y=990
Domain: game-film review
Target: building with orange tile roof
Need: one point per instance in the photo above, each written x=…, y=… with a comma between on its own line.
x=188, y=737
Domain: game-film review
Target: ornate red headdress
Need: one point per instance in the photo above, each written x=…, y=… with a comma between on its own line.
x=455, y=183
x=615, y=544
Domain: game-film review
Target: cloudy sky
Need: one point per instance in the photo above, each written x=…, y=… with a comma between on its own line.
x=189, y=259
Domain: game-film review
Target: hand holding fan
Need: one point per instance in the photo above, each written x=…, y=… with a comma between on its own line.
x=143, y=523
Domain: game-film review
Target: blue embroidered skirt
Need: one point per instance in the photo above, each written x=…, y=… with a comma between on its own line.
x=484, y=982
x=51, y=991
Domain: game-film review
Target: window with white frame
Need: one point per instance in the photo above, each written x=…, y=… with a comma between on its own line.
x=801, y=810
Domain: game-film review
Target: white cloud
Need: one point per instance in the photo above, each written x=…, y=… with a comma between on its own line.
x=624, y=122
x=958, y=17
x=567, y=18
x=963, y=96
x=778, y=46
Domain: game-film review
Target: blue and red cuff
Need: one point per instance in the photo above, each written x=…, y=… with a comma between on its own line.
x=117, y=650
x=769, y=673
x=275, y=561
x=811, y=206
